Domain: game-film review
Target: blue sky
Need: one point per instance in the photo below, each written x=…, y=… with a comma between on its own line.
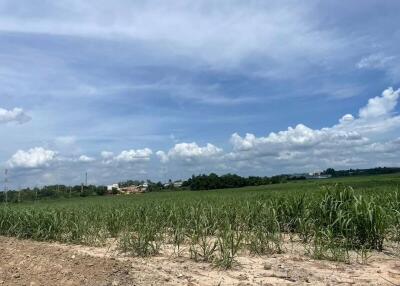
x=165, y=89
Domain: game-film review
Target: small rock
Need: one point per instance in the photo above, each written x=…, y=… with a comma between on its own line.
x=267, y=266
x=115, y=283
x=73, y=256
x=180, y=275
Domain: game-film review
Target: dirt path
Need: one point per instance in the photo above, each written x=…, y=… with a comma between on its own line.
x=25, y=262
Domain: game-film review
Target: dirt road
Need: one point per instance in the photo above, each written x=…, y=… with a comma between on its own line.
x=25, y=262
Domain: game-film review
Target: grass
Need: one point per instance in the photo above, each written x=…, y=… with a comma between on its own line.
x=332, y=217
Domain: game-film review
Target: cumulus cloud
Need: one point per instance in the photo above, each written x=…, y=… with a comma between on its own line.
x=190, y=152
x=86, y=159
x=134, y=155
x=362, y=140
x=106, y=154
x=14, y=115
x=346, y=118
x=377, y=117
x=381, y=105
x=343, y=144
x=301, y=137
x=33, y=158
x=163, y=156
x=127, y=156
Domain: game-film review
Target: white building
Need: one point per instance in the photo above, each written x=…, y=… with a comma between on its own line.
x=178, y=184
x=113, y=186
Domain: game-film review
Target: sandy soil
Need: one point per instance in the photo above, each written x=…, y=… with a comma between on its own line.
x=25, y=262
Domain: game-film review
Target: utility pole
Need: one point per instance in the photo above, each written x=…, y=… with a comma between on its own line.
x=86, y=179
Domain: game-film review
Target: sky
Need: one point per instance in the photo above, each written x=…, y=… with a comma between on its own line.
x=165, y=89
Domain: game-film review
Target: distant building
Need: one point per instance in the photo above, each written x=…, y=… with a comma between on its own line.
x=144, y=187
x=317, y=175
x=178, y=184
x=312, y=175
x=112, y=187
x=131, y=190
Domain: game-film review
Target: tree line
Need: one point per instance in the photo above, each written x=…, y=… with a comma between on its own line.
x=64, y=191
x=361, y=172
x=52, y=192
x=195, y=183
x=213, y=181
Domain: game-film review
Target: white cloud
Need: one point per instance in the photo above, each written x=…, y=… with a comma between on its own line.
x=14, y=115
x=33, y=158
x=163, y=157
x=199, y=31
x=367, y=139
x=190, y=152
x=86, y=159
x=106, y=154
x=343, y=144
x=377, y=117
x=301, y=137
x=380, y=61
x=375, y=61
x=346, y=118
x=134, y=155
x=381, y=105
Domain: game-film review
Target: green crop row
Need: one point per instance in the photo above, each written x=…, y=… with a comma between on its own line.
x=330, y=222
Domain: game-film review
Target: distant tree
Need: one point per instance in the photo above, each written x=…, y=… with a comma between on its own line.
x=101, y=190
x=329, y=171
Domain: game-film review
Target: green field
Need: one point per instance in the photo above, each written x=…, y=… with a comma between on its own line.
x=330, y=217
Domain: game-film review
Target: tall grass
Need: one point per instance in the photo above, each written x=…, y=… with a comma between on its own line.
x=216, y=226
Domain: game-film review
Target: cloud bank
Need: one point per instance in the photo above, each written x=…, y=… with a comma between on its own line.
x=349, y=143
x=352, y=142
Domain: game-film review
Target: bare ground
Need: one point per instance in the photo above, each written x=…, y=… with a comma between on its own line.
x=26, y=262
